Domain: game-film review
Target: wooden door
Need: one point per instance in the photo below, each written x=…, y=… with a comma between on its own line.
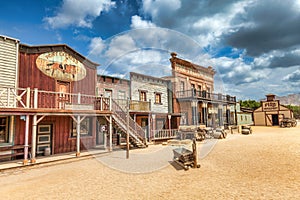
x=44, y=138
x=63, y=89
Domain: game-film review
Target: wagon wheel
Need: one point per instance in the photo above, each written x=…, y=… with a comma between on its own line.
x=288, y=125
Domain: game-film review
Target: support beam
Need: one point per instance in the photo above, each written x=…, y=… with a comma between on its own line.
x=127, y=130
x=33, y=141
x=78, y=137
x=25, y=162
x=110, y=133
x=35, y=122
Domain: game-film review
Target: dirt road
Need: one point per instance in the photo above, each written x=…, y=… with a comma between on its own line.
x=264, y=165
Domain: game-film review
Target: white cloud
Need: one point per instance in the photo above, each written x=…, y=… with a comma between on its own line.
x=137, y=22
x=96, y=46
x=79, y=13
x=154, y=7
x=120, y=45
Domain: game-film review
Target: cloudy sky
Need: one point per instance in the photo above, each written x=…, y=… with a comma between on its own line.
x=254, y=45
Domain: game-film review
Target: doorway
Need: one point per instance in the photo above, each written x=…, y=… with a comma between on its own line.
x=275, y=121
x=63, y=88
x=44, y=138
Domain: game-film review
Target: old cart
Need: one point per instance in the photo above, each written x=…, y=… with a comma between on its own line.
x=185, y=157
x=288, y=122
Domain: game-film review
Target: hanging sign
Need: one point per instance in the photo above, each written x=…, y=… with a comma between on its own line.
x=61, y=66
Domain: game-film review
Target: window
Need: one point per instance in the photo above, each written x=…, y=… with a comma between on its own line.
x=181, y=85
x=158, y=98
x=4, y=130
x=143, y=96
x=193, y=89
x=107, y=93
x=85, y=127
x=121, y=95
x=160, y=124
x=199, y=87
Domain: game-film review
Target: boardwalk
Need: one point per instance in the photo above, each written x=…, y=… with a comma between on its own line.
x=264, y=165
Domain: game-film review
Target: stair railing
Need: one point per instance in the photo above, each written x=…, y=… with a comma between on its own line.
x=133, y=126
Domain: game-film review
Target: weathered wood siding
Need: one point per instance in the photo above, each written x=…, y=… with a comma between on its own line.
x=8, y=66
x=151, y=85
x=31, y=76
x=61, y=140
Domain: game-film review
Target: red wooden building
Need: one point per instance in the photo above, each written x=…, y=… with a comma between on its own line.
x=48, y=103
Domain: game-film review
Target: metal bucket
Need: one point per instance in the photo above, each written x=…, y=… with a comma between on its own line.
x=47, y=151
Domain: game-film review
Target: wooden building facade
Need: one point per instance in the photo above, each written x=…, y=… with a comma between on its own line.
x=194, y=97
x=271, y=112
x=51, y=105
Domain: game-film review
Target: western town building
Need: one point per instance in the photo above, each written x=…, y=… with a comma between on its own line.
x=244, y=116
x=52, y=101
x=271, y=112
x=48, y=103
x=194, y=97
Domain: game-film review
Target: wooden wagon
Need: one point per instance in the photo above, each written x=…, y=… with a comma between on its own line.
x=185, y=158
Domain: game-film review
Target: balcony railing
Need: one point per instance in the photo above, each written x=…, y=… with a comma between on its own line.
x=164, y=134
x=205, y=95
x=134, y=105
x=40, y=99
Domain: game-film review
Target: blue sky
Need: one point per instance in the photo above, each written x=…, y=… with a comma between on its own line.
x=254, y=45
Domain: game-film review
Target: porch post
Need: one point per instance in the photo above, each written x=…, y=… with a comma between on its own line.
x=169, y=118
x=228, y=114
x=204, y=106
x=78, y=137
x=33, y=141
x=110, y=133
x=154, y=126
x=25, y=162
x=194, y=113
x=149, y=127
x=78, y=128
x=34, y=126
x=220, y=114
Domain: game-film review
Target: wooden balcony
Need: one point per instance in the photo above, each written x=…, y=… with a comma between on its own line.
x=34, y=99
x=134, y=105
x=204, y=95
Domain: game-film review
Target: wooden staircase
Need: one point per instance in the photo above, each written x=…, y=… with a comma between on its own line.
x=137, y=135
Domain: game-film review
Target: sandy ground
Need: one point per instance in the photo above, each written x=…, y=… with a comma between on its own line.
x=264, y=165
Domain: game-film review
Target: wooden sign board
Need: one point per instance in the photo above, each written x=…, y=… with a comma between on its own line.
x=270, y=106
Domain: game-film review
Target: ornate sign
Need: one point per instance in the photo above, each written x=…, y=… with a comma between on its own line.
x=192, y=72
x=270, y=106
x=61, y=66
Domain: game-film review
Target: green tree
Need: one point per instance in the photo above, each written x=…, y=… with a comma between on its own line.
x=250, y=104
x=296, y=111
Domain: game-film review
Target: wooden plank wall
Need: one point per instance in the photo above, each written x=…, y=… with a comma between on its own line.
x=62, y=141
x=31, y=76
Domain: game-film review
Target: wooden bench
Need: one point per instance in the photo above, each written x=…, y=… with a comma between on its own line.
x=15, y=151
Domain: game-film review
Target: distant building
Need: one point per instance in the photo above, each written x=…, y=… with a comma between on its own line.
x=244, y=116
x=194, y=97
x=271, y=112
x=115, y=87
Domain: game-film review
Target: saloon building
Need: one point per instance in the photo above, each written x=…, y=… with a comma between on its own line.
x=194, y=97
x=271, y=112
x=48, y=103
